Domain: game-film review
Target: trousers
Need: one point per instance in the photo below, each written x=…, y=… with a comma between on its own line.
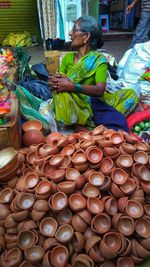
x=142, y=32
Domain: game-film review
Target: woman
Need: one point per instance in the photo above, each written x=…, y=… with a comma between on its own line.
x=82, y=77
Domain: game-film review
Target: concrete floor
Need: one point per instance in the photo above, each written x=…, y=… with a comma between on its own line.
x=116, y=48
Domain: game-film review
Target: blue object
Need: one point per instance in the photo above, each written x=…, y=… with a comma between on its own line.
x=104, y=22
x=107, y=115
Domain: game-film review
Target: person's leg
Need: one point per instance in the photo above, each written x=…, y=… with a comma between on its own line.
x=142, y=29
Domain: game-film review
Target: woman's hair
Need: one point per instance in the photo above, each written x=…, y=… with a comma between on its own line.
x=89, y=24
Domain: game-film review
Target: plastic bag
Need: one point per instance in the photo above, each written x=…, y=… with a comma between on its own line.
x=18, y=39
x=47, y=112
x=41, y=71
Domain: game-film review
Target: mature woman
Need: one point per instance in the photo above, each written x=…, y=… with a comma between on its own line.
x=82, y=78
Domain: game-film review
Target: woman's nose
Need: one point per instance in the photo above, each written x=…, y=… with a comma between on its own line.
x=70, y=33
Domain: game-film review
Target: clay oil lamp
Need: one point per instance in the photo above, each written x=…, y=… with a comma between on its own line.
x=32, y=125
x=141, y=146
x=145, y=243
x=131, y=138
x=26, y=239
x=105, y=143
x=115, y=219
x=59, y=201
x=117, y=138
x=95, y=254
x=53, y=138
x=83, y=260
x=88, y=233
x=129, y=187
x=106, y=166
x=142, y=227
x=47, y=169
x=20, y=216
x=77, y=202
x=68, y=150
x=106, y=251
x=32, y=137
x=135, y=169
x=144, y=173
x=85, y=215
x=78, y=223
x=31, y=181
x=81, y=168
x=141, y=251
x=146, y=187
x=134, y=209
x=94, y=155
x=147, y=209
x=111, y=206
x=68, y=187
x=111, y=152
x=125, y=225
x=124, y=161
x=47, y=149
x=116, y=191
x=64, y=233
x=43, y=189
x=27, y=171
x=66, y=162
x=59, y=256
x=119, y=176
x=98, y=130
x=63, y=141
x=57, y=175
x=56, y=160
x=124, y=261
x=96, y=179
x=90, y=190
x=41, y=205
x=79, y=159
x=73, y=174
x=49, y=243
x=31, y=157
x=12, y=257
x=87, y=144
x=128, y=148
x=29, y=225
x=64, y=217
x=48, y=227
x=37, y=215
x=25, y=201
x=113, y=240
x=94, y=205
x=93, y=240
x=6, y=195
x=78, y=242
x=101, y=223
x=106, y=185
x=34, y=254
x=141, y=157
x=107, y=264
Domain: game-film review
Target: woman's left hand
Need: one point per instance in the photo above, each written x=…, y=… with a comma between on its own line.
x=61, y=84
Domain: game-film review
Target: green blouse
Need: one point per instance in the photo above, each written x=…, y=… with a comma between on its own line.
x=99, y=76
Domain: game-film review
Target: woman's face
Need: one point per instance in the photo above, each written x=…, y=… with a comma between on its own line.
x=77, y=36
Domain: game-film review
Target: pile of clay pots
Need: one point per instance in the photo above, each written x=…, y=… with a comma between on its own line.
x=78, y=200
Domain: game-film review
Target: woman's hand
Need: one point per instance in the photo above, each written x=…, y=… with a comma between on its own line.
x=61, y=83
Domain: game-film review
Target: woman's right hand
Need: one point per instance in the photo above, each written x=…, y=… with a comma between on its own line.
x=129, y=7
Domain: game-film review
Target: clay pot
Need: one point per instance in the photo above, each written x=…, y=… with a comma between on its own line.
x=125, y=225
x=116, y=191
x=94, y=155
x=83, y=260
x=95, y=206
x=37, y=215
x=32, y=137
x=25, y=264
x=57, y=175
x=68, y=150
x=68, y=187
x=141, y=157
x=106, y=185
x=107, y=166
x=129, y=187
x=93, y=240
x=84, y=145
x=34, y=254
x=119, y=176
x=90, y=190
x=59, y=256
x=141, y=146
x=101, y=223
x=78, y=242
x=111, y=151
x=48, y=227
x=53, y=138
x=79, y=159
x=128, y=148
x=31, y=180
x=98, y=130
x=66, y=162
x=26, y=201
x=32, y=125
x=142, y=227
x=64, y=233
x=77, y=202
x=85, y=215
x=26, y=239
x=106, y=251
x=134, y=209
x=6, y=195
x=144, y=173
x=124, y=161
x=141, y=251
x=96, y=178
x=64, y=217
x=113, y=240
x=59, y=201
x=111, y=206
x=56, y=160
x=117, y=138
x=43, y=189
x=78, y=223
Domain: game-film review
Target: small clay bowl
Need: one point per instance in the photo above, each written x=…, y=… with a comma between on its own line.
x=68, y=150
x=111, y=151
x=113, y=240
x=44, y=187
x=79, y=159
x=72, y=174
x=41, y=205
x=83, y=260
x=129, y=187
x=145, y=243
x=91, y=241
x=144, y=174
x=81, y=168
x=124, y=261
x=94, y=155
x=57, y=175
x=48, y=227
x=141, y=157
x=107, y=166
x=29, y=225
x=125, y=225
x=146, y=187
x=11, y=257
x=31, y=157
x=31, y=180
x=116, y=191
x=47, y=150
x=77, y=202
x=106, y=185
x=107, y=264
x=25, y=264
x=64, y=217
x=59, y=256
x=105, y=143
x=59, y=201
x=119, y=176
x=142, y=227
x=141, y=146
x=117, y=138
x=26, y=201
x=66, y=162
x=32, y=125
x=34, y=254
x=63, y=141
x=98, y=130
x=90, y=190
x=111, y=206
x=64, y=233
x=56, y=160
x=101, y=223
x=85, y=215
x=68, y=187
x=88, y=233
x=87, y=144
x=6, y=195
x=134, y=209
x=94, y=205
x=96, y=179
x=20, y=216
x=128, y=148
x=106, y=251
x=78, y=223
x=26, y=239
x=147, y=209
x=53, y=138
x=78, y=242
x=141, y=251
x=125, y=161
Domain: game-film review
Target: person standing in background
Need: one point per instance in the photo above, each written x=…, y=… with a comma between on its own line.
x=142, y=32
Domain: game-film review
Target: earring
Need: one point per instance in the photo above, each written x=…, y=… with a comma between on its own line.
x=84, y=42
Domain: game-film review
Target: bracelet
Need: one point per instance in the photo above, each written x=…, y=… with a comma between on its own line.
x=78, y=88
